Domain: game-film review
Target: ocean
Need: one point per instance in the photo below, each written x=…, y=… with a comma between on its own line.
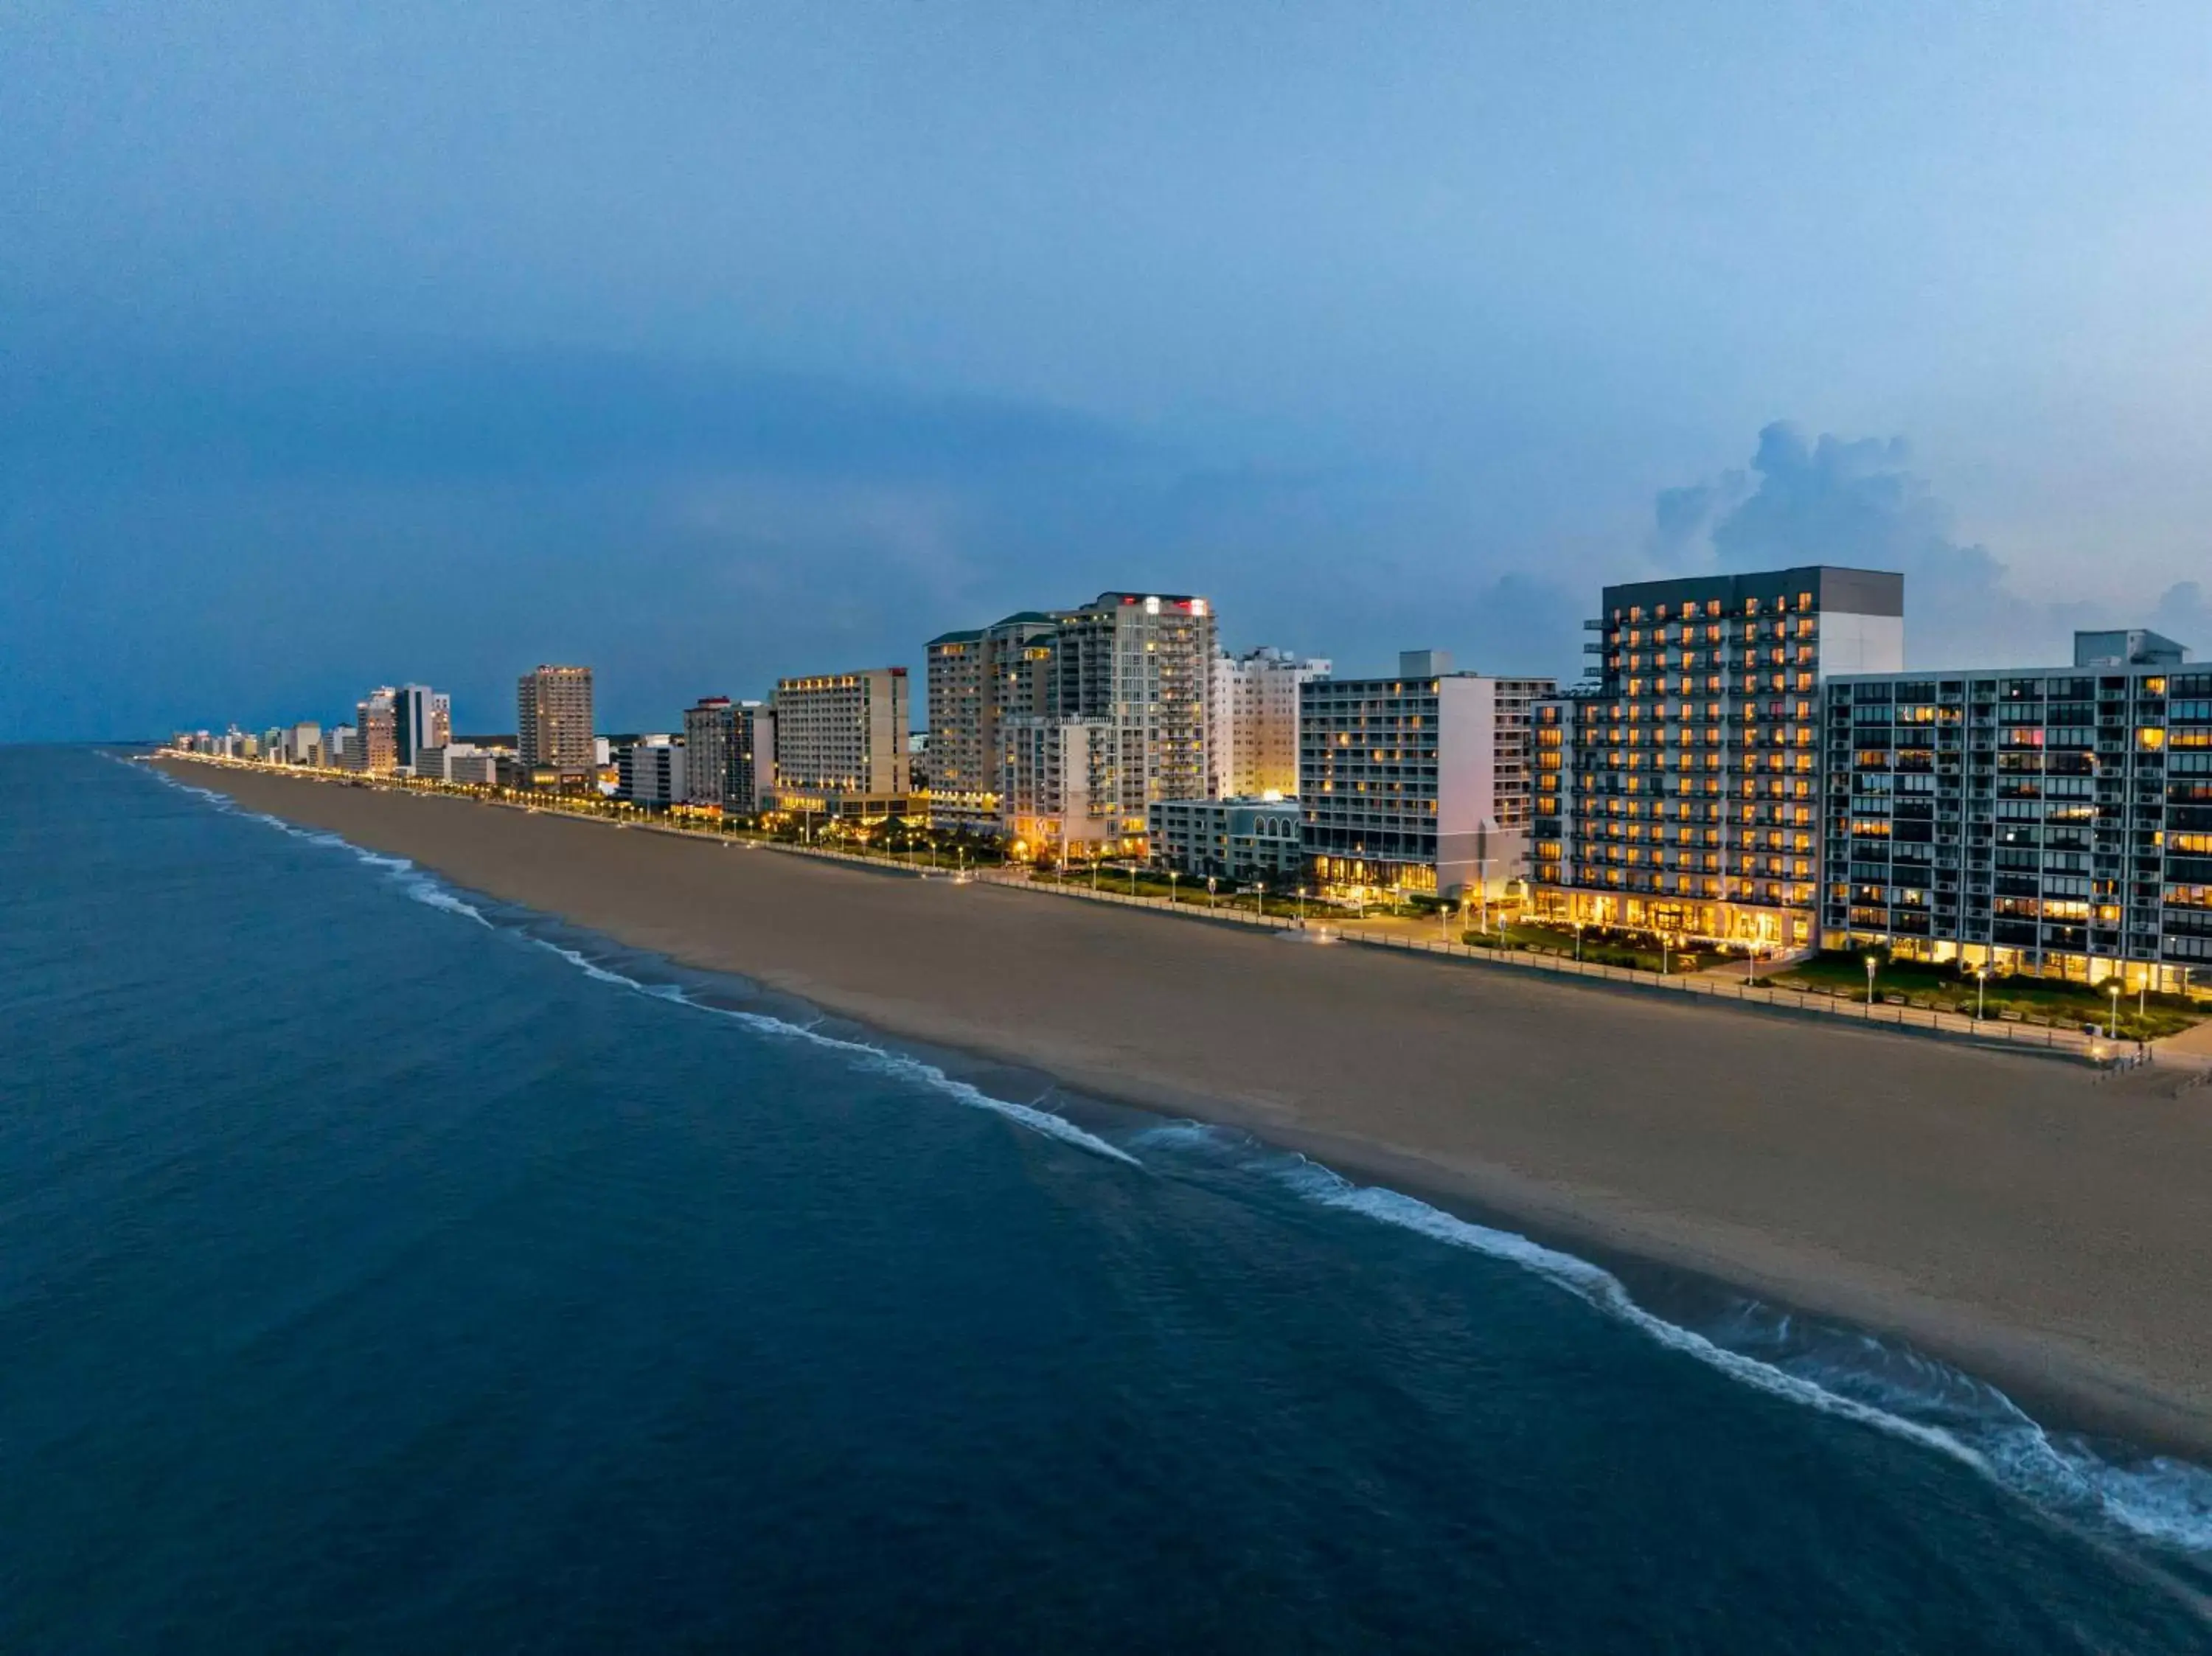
x=385, y=1269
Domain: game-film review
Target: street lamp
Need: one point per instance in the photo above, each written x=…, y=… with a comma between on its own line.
x=1174, y=874
x=1578, y=942
x=1302, y=905
x=1870, y=967
x=2113, y=1029
x=1213, y=884
x=1260, y=897
x=1981, y=992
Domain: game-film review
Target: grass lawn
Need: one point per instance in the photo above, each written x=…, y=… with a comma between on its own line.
x=2069, y=1006
x=1636, y=951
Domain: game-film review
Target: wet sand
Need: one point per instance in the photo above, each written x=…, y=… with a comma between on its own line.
x=2011, y=1213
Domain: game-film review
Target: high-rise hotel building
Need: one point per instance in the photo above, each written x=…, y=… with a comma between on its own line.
x=1418, y=782
x=1679, y=790
x=1252, y=735
x=415, y=709
x=1143, y=661
x=841, y=744
x=1132, y=669
x=729, y=753
x=976, y=679
x=374, y=717
x=2054, y=821
x=553, y=720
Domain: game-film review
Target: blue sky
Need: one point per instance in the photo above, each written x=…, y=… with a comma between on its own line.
x=710, y=342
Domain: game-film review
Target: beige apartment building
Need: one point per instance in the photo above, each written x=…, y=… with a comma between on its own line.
x=1252, y=740
x=553, y=716
x=841, y=744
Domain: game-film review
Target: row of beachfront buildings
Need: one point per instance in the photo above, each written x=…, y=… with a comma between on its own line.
x=1745, y=759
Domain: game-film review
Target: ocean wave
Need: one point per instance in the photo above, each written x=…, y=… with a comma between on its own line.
x=867, y=1055
x=1849, y=1374
x=424, y=888
x=1846, y=1373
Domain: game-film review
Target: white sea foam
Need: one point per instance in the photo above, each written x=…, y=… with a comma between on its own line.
x=424, y=890
x=1602, y=1289
x=2159, y=1499
x=423, y=887
x=867, y=1056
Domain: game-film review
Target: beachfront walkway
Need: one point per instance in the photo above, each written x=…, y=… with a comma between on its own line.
x=1421, y=938
x=2192, y=1049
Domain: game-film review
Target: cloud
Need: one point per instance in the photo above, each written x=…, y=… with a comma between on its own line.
x=1857, y=501
x=202, y=529
x=2183, y=614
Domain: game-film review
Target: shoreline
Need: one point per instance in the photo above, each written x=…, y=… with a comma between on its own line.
x=2038, y=1301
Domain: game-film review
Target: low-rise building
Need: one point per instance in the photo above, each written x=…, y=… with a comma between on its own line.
x=457, y=761
x=1239, y=840
x=651, y=772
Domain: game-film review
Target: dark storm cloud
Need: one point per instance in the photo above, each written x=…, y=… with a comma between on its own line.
x=270, y=527
x=1858, y=501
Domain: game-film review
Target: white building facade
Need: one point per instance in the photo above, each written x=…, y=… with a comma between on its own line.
x=652, y=771
x=1237, y=840
x=1418, y=783
x=1252, y=741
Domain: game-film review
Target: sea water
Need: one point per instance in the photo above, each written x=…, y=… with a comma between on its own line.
x=384, y=1269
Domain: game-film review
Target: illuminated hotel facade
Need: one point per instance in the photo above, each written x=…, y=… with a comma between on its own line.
x=1252, y=733
x=1143, y=661
x=1067, y=724
x=2053, y=821
x=1417, y=783
x=977, y=679
x=1679, y=790
x=553, y=716
x=841, y=744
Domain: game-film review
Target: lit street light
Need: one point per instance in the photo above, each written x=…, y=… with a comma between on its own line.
x=1869, y=966
x=1981, y=992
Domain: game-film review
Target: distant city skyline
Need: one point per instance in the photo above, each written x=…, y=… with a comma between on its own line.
x=823, y=334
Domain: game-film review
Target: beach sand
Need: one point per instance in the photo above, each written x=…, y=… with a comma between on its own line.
x=2009, y=1213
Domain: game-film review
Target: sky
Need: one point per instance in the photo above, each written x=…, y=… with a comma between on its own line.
x=711, y=343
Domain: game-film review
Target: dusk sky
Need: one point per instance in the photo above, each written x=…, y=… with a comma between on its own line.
x=704, y=343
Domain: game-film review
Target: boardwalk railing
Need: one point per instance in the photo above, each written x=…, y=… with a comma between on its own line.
x=1911, y=1019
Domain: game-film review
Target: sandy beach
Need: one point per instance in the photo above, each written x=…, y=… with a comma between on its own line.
x=2044, y=1230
